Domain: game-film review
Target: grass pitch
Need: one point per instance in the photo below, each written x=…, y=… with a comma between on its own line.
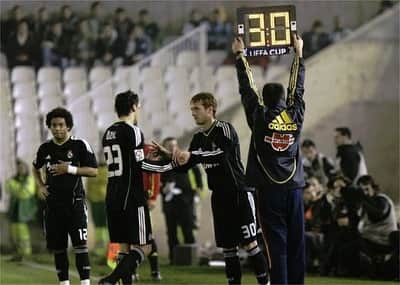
x=39, y=271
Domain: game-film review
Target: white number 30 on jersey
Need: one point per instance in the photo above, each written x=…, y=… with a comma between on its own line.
x=249, y=230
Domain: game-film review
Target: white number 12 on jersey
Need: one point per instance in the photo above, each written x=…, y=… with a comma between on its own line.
x=110, y=159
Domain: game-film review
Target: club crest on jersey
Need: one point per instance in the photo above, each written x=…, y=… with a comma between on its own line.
x=280, y=142
x=70, y=154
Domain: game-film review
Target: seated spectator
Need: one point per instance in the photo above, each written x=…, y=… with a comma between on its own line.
x=21, y=47
x=339, y=32
x=150, y=27
x=109, y=47
x=349, y=157
x=42, y=24
x=95, y=20
x=378, y=221
x=313, y=236
x=338, y=219
x=195, y=20
x=56, y=48
x=316, y=164
x=138, y=46
x=315, y=40
x=219, y=31
x=83, y=46
x=68, y=21
x=122, y=23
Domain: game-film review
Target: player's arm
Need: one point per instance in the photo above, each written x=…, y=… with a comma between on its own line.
x=295, y=92
x=87, y=163
x=250, y=96
x=36, y=166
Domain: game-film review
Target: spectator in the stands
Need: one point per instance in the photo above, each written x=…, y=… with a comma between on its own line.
x=339, y=32
x=315, y=163
x=219, y=31
x=9, y=26
x=122, y=23
x=149, y=26
x=315, y=40
x=42, y=24
x=83, y=46
x=95, y=19
x=21, y=47
x=313, y=191
x=385, y=4
x=56, y=48
x=109, y=47
x=69, y=22
x=195, y=20
x=378, y=219
x=349, y=157
x=138, y=45
x=337, y=212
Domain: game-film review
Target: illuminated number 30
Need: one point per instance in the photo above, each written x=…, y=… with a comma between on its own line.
x=261, y=31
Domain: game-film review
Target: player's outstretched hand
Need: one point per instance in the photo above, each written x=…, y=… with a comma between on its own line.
x=181, y=157
x=298, y=45
x=237, y=45
x=42, y=192
x=60, y=168
x=161, y=150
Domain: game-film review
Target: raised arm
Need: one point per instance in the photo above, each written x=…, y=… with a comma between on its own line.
x=251, y=99
x=294, y=101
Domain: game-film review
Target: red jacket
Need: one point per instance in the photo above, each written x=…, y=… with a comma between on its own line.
x=151, y=181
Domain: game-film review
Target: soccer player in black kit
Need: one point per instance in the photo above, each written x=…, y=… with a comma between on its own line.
x=126, y=203
x=65, y=159
x=274, y=164
x=216, y=146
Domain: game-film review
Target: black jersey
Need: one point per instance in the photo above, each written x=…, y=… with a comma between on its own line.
x=218, y=150
x=63, y=189
x=123, y=145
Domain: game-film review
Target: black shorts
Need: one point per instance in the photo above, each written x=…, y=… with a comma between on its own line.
x=61, y=221
x=234, y=218
x=130, y=226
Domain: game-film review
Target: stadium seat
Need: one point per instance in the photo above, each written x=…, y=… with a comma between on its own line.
x=189, y=59
x=102, y=90
x=121, y=73
x=49, y=74
x=121, y=86
x=227, y=94
x=133, y=79
x=103, y=104
x=82, y=104
x=226, y=72
x=22, y=74
x=24, y=90
x=73, y=74
x=205, y=83
x=176, y=73
x=48, y=103
x=99, y=74
x=26, y=120
x=26, y=105
x=75, y=89
x=3, y=60
x=49, y=89
x=216, y=57
x=150, y=74
x=4, y=75
x=104, y=120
